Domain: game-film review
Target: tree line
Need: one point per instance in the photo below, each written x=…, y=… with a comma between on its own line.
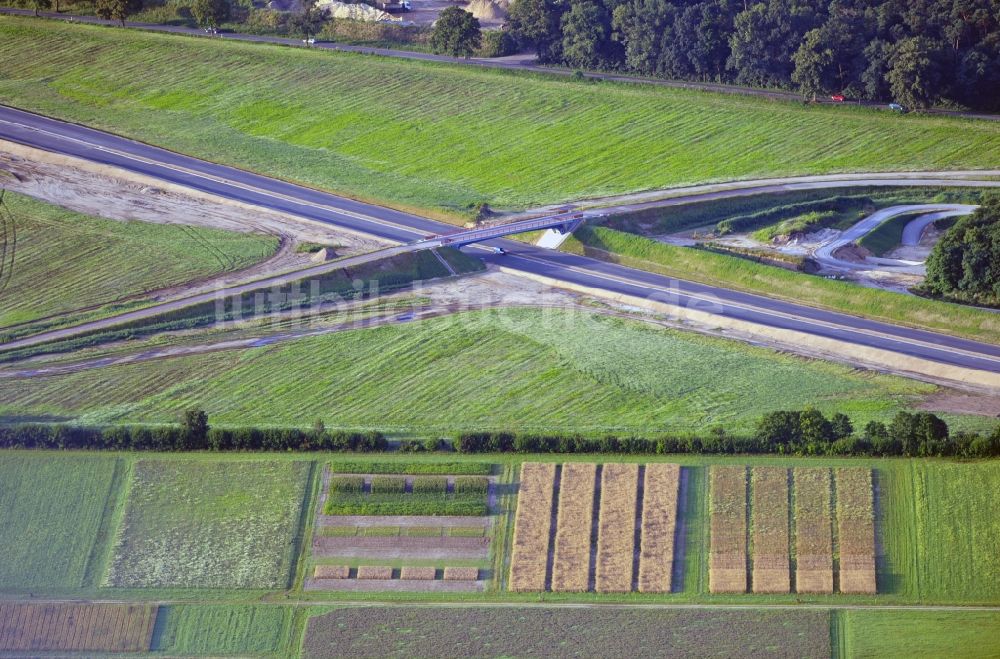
x=193, y=433
x=800, y=433
x=964, y=265
x=804, y=432
x=914, y=53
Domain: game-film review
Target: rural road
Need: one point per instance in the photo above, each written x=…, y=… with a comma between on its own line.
x=228, y=182
x=826, y=253
x=523, y=62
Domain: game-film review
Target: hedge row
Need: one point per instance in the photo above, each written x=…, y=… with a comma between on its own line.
x=781, y=433
x=175, y=438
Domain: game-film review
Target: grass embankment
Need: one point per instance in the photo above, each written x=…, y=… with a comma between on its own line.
x=524, y=369
x=442, y=136
x=753, y=212
x=365, y=280
x=742, y=274
x=888, y=235
x=66, y=261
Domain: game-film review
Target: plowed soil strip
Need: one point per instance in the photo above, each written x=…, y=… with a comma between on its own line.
x=728, y=544
x=571, y=565
x=532, y=526
x=769, y=524
x=616, y=528
x=75, y=627
x=813, y=531
x=856, y=530
x=659, y=520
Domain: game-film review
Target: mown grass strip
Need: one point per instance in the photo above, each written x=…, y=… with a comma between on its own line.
x=532, y=524
x=769, y=528
x=813, y=531
x=856, y=530
x=616, y=527
x=570, y=568
x=728, y=550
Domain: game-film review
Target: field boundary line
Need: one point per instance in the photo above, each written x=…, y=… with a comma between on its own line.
x=119, y=490
x=306, y=527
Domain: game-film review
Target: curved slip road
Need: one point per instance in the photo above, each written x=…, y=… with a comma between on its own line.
x=228, y=182
x=826, y=253
x=914, y=230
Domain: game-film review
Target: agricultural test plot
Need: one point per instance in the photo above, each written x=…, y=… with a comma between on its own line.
x=417, y=528
x=813, y=531
x=571, y=562
x=41, y=497
x=532, y=525
x=610, y=633
x=616, y=528
x=659, y=520
x=728, y=550
x=769, y=526
x=209, y=524
x=856, y=530
x=27, y=627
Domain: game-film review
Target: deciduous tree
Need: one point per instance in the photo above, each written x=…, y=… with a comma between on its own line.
x=456, y=33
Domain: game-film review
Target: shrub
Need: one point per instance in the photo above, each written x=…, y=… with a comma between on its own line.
x=497, y=43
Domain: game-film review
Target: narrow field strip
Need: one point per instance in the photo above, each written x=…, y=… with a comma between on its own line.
x=570, y=570
x=727, y=571
x=532, y=526
x=856, y=530
x=122, y=628
x=616, y=528
x=659, y=521
x=813, y=531
x=769, y=526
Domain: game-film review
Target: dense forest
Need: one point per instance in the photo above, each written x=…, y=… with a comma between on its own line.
x=965, y=264
x=914, y=52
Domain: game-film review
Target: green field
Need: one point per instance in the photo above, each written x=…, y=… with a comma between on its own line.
x=210, y=524
x=405, y=504
x=212, y=630
x=512, y=632
x=920, y=634
x=66, y=261
x=457, y=135
x=945, y=548
x=51, y=509
x=514, y=368
x=741, y=274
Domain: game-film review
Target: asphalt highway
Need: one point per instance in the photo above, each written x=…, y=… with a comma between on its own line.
x=228, y=182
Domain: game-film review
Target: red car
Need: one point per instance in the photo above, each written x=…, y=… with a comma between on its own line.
x=837, y=98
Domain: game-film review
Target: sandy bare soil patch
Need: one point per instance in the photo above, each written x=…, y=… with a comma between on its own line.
x=962, y=403
x=362, y=521
x=112, y=193
x=402, y=547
